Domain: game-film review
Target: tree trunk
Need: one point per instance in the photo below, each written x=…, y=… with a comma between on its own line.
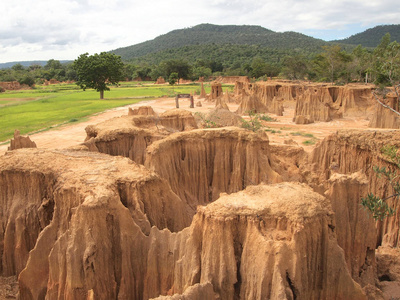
x=101, y=94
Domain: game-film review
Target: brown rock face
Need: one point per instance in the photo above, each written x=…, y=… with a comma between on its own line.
x=350, y=151
x=10, y=85
x=127, y=140
x=216, y=91
x=78, y=226
x=356, y=231
x=201, y=164
x=325, y=103
x=142, y=110
x=178, y=120
x=317, y=102
x=278, y=236
x=160, y=80
x=251, y=103
x=72, y=220
x=20, y=141
x=384, y=117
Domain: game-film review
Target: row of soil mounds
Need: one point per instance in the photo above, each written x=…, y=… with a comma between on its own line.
x=314, y=102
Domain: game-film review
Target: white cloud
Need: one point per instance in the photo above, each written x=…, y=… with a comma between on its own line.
x=63, y=29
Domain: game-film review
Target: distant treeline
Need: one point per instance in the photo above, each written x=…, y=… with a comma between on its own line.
x=332, y=64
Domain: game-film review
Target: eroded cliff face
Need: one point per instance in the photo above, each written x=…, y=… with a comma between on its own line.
x=83, y=225
x=355, y=228
x=201, y=164
x=129, y=136
x=280, y=236
x=60, y=209
x=383, y=117
x=350, y=151
x=178, y=120
x=20, y=141
x=314, y=102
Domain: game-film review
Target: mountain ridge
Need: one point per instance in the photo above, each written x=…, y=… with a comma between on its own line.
x=372, y=36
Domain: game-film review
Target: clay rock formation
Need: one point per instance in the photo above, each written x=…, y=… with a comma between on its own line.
x=160, y=80
x=201, y=164
x=325, y=103
x=279, y=236
x=122, y=136
x=10, y=85
x=178, y=120
x=202, y=92
x=79, y=228
x=350, y=151
x=20, y=141
x=232, y=79
x=314, y=101
x=388, y=271
x=196, y=292
x=220, y=103
x=317, y=103
x=385, y=118
x=70, y=218
x=216, y=91
x=142, y=110
x=355, y=228
x=251, y=103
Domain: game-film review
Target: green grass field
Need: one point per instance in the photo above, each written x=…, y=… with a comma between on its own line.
x=47, y=106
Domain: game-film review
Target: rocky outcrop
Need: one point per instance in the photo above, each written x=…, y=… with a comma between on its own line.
x=64, y=213
x=178, y=120
x=279, y=236
x=388, y=271
x=196, y=292
x=383, y=117
x=142, y=110
x=216, y=91
x=325, y=103
x=160, y=80
x=231, y=79
x=121, y=136
x=264, y=97
x=201, y=164
x=77, y=226
x=317, y=104
x=251, y=103
x=220, y=102
x=355, y=228
x=10, y=85
x=350, y=151
x=20, y=141
x=202, y=92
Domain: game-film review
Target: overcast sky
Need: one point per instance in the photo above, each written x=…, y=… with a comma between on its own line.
x=64, y=29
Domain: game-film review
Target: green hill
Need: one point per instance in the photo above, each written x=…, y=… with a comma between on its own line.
x=372, y=37
x=208, y=34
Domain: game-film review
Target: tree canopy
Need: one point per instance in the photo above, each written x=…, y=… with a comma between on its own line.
x=98, y=71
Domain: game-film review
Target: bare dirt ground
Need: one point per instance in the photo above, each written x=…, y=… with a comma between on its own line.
x=283, y=129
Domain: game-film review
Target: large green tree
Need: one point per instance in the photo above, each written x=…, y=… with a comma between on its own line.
x=98, y=71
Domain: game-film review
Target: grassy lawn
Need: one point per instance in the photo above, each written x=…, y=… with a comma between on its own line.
x=48, y=106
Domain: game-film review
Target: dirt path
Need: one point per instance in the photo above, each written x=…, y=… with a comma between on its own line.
x=284, y=129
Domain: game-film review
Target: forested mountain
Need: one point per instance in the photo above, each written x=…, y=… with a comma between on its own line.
x=372, y=37
x=27, y=63
x=208, y=34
